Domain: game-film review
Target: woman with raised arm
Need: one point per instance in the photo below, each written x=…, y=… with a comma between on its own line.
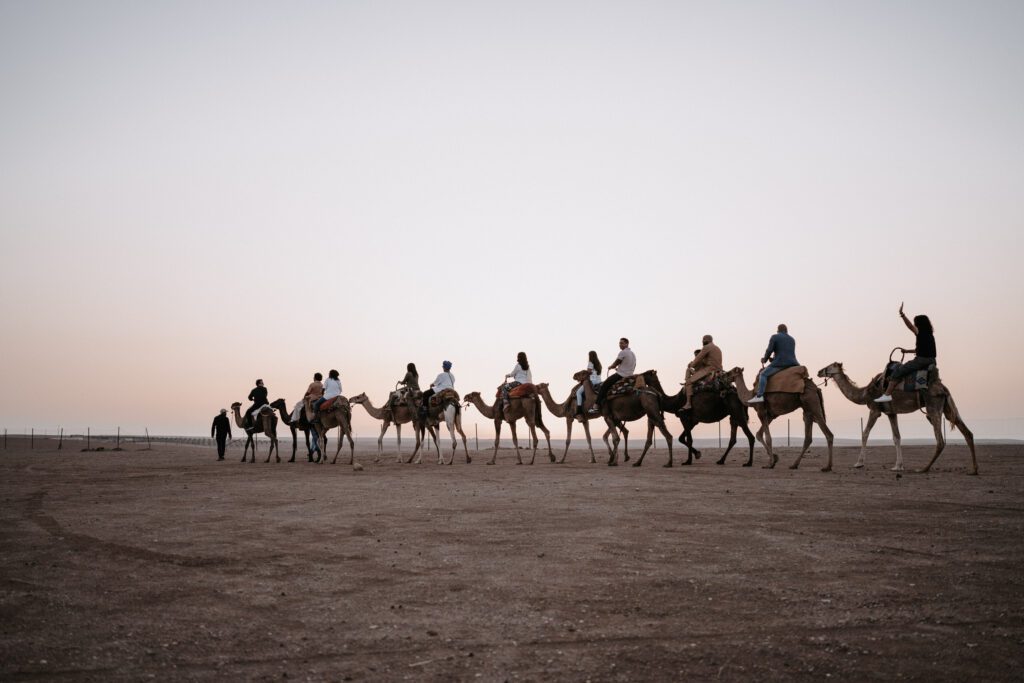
x=924, y=352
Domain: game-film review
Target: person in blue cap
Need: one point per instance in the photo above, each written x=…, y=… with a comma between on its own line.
x=446, y=380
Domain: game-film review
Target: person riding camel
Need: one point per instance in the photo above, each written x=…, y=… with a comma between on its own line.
x=594, y=368
x=258, y=396
x=410, y=387
x=332, y=389
x=624, y=366
x=520, y=374
x=446, y=380
x=924, y=352
x=706, y=363
x=781, y=352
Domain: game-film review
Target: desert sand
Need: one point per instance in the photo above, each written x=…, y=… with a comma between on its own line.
x=167, y=564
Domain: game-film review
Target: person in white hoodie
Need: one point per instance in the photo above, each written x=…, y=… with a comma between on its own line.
x=520, y=374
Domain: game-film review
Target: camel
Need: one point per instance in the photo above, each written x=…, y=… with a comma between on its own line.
x=710, y=407
x=939, y=402
x=338, y=415
x=266, y=423
x=567, y=410
x=619, y=410
x=776, y=404
x=294, y=426
x=398, y=415
x=527, y=407
x=450, y=411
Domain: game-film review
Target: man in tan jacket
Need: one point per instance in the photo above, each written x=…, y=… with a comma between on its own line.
x=707, y=362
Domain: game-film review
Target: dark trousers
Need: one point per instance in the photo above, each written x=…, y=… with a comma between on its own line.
x=425, y=405
x=606, y=386
x=222, y=442
x=919, y=363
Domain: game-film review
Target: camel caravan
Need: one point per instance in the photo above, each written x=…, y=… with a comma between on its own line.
x=708, y=395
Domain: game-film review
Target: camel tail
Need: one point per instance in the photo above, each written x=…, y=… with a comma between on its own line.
x=952, y=414
x=540, y=415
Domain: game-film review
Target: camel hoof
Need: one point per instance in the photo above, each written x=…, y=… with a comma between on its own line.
x=668, y=464
x=748, y=464
x=794, y=466
x=971, y=473
x=858, y=466
x=468, y=459
x=552, y=458
x=685, y=464
x=613, y=464
x=899, y=468
x=489, y=462
x=696, y=454
x=826, y=469
x=719, y=462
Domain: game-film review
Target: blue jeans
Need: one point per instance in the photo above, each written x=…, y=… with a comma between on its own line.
x=768, y=372
x=581, y=392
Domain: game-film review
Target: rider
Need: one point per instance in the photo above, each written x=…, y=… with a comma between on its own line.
x=446, y=380
x=332, y=388
x=594, y=368
x=258, y=396
x=707, y=362
x=410, y=384
x=520, y=374
x=781, y=352
x=924, y=352
x=624, y=366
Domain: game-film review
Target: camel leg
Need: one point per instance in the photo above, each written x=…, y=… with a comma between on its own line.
x=295, y=441
x=497, y=439
x=953, y=417
x=590, y=445
x=351, y=448
x=897, y=441
x=732, y=442
x=663, y=428
x=465, y=447
x=398, y=433
x=613, y=448
x=766, y=439
x=808, y=435
x=531, y=428
x=515, y=442
x=686, y=438
x=547, y=439
x=647, y=444
x=450, y=420
x=750, y=439
x=872, y=418
x=568, y=438
x=940, y=441
x=380, y=440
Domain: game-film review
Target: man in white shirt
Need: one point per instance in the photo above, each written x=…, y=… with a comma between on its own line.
x=624, y=366
x=446, y=380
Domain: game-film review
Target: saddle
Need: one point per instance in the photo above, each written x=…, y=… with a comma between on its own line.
x=919, y=380
x=248, y=421
x=404, y=397
x=627, y=386
x=444, y=396
x=714, y=383
x=336, y=403
x=788, y=381
x=525, y=390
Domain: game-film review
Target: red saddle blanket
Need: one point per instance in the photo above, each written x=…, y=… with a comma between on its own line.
x=332, y=403
x=522, y=391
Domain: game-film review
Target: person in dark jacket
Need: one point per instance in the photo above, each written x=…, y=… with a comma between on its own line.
x=781, y=352
x=221, y=430
x=258, y=396
x=924, y=352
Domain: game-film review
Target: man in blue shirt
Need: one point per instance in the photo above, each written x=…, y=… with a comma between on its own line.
x=781, y=352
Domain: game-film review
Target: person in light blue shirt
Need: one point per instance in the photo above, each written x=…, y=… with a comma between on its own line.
x=781, y=352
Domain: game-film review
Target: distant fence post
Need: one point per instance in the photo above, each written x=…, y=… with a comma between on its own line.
x=862, y=430
x=60, y=443
x=118, y=443
x=148, y=442
x=32, y=440
x=787, y=434
x=5, y=438
x=476, y=435
x=88, y=438
x=719, y=434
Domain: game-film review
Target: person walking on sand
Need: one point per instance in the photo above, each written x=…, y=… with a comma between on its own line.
x=624, y=366
x=781, y=352
x=924, y=352
x=221, y=430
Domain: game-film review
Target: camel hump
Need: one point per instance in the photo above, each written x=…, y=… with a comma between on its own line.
x=788, y=381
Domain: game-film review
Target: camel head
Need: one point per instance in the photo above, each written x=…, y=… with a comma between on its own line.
x=734, y=374
x=280, y=404
x=831, y=370
x=470, y=397
x=581, y=375
x=361, y=398
x=235, y=406
x=542, y=386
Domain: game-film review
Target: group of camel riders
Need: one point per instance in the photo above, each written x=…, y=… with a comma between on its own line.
x=705, y=366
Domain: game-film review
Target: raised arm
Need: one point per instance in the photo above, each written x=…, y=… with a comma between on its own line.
x=906, y=321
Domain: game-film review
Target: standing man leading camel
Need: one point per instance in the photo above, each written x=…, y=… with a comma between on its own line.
x=781, y=352
x=624, y=366
x=221, y=430
x=707, y=362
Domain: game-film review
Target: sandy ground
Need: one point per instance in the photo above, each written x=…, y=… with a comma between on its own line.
x=170, y=565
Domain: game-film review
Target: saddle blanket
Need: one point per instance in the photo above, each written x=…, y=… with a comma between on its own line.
x=297, y=411
x=403, y=398
x=714, y=383
x=915, y=381
x=788, y=381
x=333, y=403
x=521, y=391
x=443, y=397
x=628, y=386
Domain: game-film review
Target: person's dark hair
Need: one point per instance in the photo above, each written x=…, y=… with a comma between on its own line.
x=625, y=340
x=521, y=359
x=783, y=328
x=923, y=324
x=333, y=374
x=259, y=382
x=411, y=367
x=593, y=359
x=318, y=377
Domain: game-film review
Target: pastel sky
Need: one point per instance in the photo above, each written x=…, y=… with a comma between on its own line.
x=196, y=194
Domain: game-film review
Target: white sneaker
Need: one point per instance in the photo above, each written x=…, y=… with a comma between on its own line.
x=756, y=399
x=884, y=398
